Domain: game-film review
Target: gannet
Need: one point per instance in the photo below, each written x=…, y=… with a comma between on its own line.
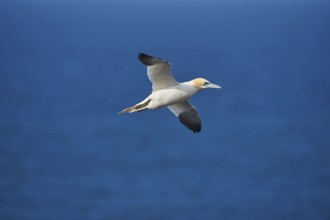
x=167, y=92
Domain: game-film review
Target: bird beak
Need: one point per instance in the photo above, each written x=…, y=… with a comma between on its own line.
x=214, y=86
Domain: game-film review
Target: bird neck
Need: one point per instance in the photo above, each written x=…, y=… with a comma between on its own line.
x=190, y=86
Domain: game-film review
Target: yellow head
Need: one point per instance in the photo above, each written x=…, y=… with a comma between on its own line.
x=201, y=83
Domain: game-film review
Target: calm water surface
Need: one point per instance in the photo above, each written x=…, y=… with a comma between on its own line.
x=67, y=68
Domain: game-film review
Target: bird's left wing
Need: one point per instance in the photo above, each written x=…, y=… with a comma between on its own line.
x=159, y=72
x=188, y=115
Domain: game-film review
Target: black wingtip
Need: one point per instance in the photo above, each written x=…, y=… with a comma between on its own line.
x=146, y=59
x=196, y=129
x=191, y=121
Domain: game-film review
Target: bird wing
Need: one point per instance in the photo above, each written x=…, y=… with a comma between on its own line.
x=159, y=72
x=188, y=115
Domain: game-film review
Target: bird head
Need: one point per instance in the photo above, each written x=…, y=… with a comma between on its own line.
x=201, y=83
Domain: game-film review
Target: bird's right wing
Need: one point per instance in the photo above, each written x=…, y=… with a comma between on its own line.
x=188, y=115
x=159, y=72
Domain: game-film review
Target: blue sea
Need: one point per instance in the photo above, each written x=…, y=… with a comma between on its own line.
x=68, y=66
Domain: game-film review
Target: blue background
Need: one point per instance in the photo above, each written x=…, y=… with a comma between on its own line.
x=68, y=66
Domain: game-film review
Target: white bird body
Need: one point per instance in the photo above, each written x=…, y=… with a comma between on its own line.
x=172, y=95
x=167, y=92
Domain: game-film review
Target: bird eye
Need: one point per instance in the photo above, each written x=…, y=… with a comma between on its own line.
x=205, y=83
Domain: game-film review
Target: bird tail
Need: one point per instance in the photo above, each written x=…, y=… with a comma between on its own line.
x=137, y=108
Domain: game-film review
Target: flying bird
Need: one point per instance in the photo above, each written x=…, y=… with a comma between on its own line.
x=167, y=92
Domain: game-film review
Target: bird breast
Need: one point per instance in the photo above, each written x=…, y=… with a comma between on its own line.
x=170, y=96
